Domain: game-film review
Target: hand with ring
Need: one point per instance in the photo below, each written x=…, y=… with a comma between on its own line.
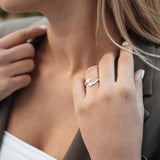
x=110, y=112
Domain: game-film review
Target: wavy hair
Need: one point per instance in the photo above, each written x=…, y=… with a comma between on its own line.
x=143, y=16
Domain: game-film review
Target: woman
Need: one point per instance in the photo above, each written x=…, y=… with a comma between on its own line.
x=74, y=84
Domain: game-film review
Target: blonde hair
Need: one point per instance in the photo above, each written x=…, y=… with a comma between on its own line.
x=144, y=18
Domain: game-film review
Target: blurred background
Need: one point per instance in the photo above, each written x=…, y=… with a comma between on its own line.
x=4, y=15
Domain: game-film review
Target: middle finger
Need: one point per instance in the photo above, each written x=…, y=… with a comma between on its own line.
x=126, y=65
x=20, y=67
x=107, y=70
x=20, y=52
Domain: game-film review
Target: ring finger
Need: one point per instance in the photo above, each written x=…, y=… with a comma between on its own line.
x=20, y=67
x=20, y=52
x=93, y=75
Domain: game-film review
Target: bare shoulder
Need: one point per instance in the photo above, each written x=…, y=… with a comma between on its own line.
x=12, y=25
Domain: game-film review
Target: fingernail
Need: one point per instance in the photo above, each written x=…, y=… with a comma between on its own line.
x=125, y=43
x=142, y=74
x=43, y=26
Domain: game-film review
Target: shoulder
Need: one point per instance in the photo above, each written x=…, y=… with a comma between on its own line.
x=12, y=25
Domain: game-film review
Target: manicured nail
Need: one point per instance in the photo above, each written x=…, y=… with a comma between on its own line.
x=125, y=43
x=142, y=74
x=43, y=26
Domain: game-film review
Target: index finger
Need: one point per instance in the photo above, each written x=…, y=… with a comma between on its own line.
x=21, y=36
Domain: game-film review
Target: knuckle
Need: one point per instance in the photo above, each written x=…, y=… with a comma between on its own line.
x=107, y=57
x=105, y=95
x=22, y=34
x=125, y=91
x=90, y=103
x=91, y=69
x=127, y=58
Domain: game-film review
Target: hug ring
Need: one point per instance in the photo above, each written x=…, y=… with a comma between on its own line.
x=89, y=83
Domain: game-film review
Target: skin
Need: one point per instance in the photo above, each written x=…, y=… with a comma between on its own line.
x=16, y=60
x=110, y=109
x=48, y=108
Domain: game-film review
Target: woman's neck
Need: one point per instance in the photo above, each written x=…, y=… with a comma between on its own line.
x=71, y=34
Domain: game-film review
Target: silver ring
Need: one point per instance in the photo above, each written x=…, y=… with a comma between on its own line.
x=89, y=83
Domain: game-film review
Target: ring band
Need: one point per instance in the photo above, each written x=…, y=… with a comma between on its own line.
x=89, y=83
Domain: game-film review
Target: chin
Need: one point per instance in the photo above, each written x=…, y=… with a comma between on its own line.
x=16, y=6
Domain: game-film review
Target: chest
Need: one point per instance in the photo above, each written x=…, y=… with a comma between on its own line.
x=43, y=116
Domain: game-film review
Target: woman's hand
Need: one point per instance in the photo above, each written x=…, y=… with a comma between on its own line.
x=16, y=60
x=110, y=113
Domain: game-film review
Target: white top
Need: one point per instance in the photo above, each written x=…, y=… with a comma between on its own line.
x=15, y=149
